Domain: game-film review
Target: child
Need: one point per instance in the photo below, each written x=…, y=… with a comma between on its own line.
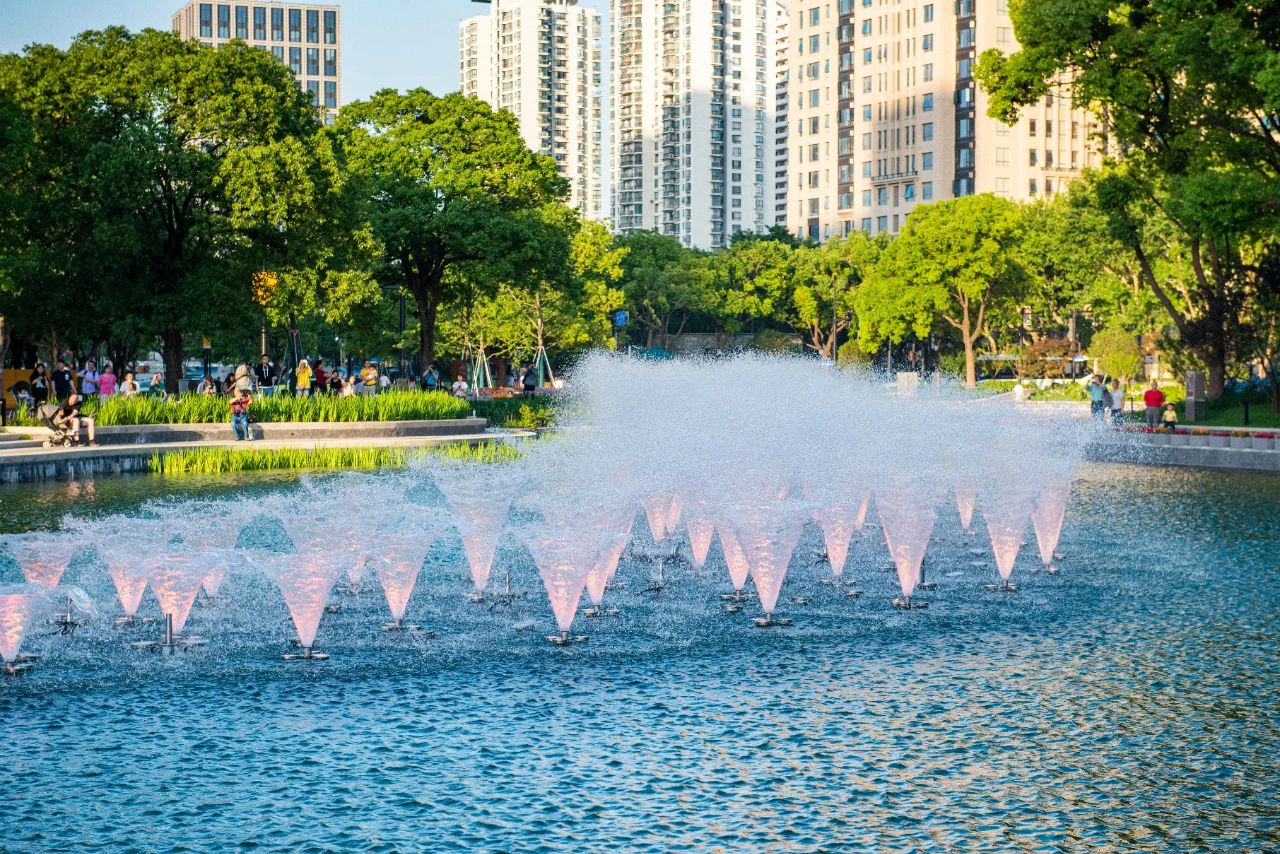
x=240, y=414
x=1170, y=417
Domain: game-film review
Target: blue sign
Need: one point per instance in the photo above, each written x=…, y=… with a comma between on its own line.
x=621, y=317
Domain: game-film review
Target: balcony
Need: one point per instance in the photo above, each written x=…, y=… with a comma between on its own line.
x=886, y=177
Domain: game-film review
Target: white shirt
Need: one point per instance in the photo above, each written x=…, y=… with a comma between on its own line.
x=459, y=388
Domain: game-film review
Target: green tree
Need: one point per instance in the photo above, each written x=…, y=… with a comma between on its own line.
x=1190, y=90
x=827, y=281
x=664, y=284
x=751, y=282
x=1117, y=353
x=953, y=261
x=181, y=169
x=454, y=196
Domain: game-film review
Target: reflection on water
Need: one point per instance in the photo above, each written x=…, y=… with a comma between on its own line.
x=1128, y=704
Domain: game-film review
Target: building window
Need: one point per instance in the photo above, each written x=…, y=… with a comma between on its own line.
x=866, y=169
x=330, y=27
x=313, y=61
x=866, y=112
x=926, y=102
x=1032, y=189
x=1048, y=186
x=1048, y=158
x=815, y=16
x=313, y=89
x=926, y=131
x=1004, y=35
x=1002, y=7
x=277, y=25
x=866, y=142
x=964, y=69
x=295, y=60
x=866, y=27
x=813, y=208
x=1075, y=129
x=866, y=224
x=1033, y=157
x=1048, y=127
x=1002, y=186
x=964, y=129
x=330, y=62
x=909, y=193
x=278, y=53
x=242, y=22
x=926, y=190
x=927, y=72
x=882, y=223
x=815, y=44
x=966, y=38
x=313, y=26
x=330, y=94
x=866, y=56
x=866, y=84
x=1075, y=159
x=295, y=25
x=928, y=12
x=813, y=97
x=866, y=198
x=206, y=20
x=259, y=23
x=964, y=158
x=926, y=42
x=926, y=161
x=1031, y=127
x=224, y=21
x=882, y=196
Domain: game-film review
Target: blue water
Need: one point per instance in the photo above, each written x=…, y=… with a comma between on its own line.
x=1130, y=703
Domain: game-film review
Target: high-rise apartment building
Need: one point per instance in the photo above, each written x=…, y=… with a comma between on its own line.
x=782, y=96
x=305, y=36
x=540, y=60
x=694, y=130
x=885, y=114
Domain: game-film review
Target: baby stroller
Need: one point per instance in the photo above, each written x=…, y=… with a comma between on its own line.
x=60, y=437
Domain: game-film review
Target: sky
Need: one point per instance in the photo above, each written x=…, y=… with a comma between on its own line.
x=386, y=43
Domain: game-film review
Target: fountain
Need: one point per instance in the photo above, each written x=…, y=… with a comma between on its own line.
x=907, y=517
x=661, y=510
x=563, y=557
x=966, y=498
x=129, y=576
x=44, y=559
x=1051, y=508
x=480, y=498
x=175, y=578
x=767, y=535
x=739, y=569
x=355, y=574
x=397, y=568
x=305, y=580
x=1006, y=514
x=700, y=527
x=839, y=522
x=18, y=604
x=606, y=563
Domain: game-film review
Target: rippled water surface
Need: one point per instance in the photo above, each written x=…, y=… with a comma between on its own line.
x=1131, y=703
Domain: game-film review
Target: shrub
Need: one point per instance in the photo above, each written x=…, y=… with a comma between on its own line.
x=1117, y=353
x=1045, y=358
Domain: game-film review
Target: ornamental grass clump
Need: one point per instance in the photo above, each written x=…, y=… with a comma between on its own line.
x=199, y=409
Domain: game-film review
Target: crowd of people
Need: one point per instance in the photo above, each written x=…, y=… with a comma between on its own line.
x=1108, y=401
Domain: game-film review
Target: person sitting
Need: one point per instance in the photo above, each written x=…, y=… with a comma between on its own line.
x=240, y=401
x=459, y=387
x=207, y=387
x=319, y=378
x=69, y=417
x=336, y=384
x=157, y=386
x=1170, y=417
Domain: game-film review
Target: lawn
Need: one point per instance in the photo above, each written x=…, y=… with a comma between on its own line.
x=1232, y=415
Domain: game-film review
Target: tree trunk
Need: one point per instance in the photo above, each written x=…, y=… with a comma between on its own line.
x=428, y=304
x=970, y=360
x=171, y=345
x=4, y=348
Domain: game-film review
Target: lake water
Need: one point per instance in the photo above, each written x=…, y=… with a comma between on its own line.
x=1130, y=703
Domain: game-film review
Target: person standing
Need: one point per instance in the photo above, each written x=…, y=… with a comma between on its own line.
x=1097, y=397
x=40, y=384
x=128, y=386
x=89, y=379
x=157, y=388
x=1153, y=398
x=431, y=379
x=1117, y=402
x=107, y=381
x=240, y=401
x=302, y=378
x=368, y=378
x=264, y=374
x=320, y=380
x=63, y=383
